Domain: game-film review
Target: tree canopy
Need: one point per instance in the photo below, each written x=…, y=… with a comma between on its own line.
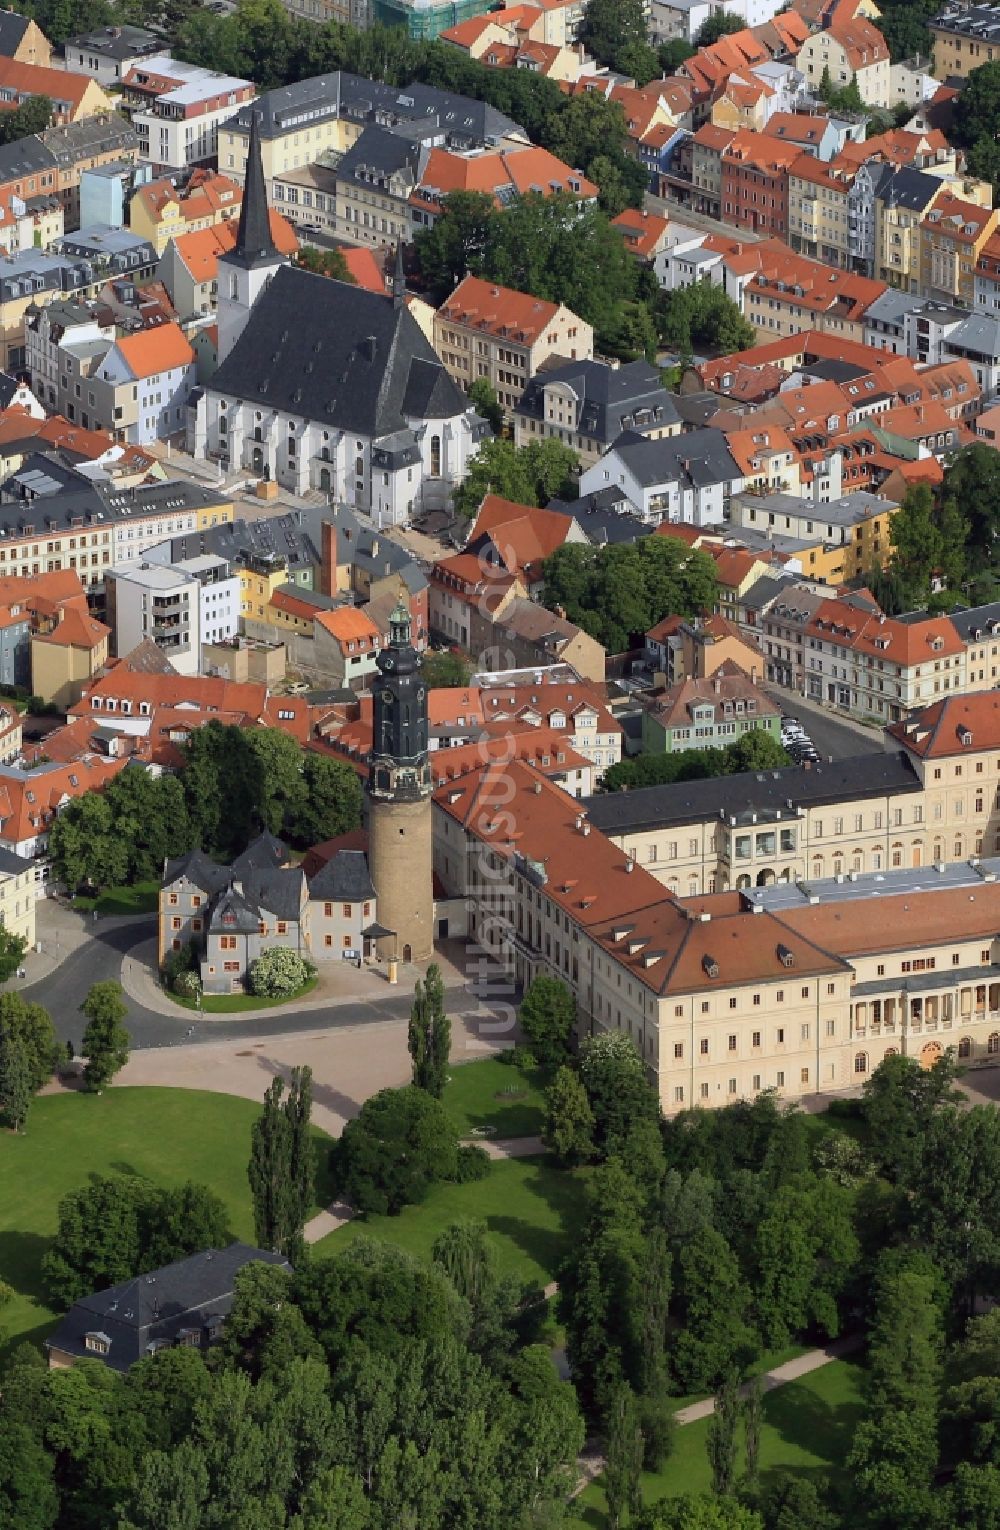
x=553, y=247
x=529, y=475
x=616, y=593
x=756, y=750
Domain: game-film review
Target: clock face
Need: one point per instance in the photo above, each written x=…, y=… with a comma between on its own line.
x=420, y=693
x=388, y=661
x=387, y=697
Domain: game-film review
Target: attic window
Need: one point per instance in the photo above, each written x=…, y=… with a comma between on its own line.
x=97, y=1343
x=711, y=966
x=965, y=737
x=785, y=956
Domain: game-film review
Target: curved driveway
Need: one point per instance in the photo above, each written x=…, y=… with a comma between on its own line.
x=101, y=956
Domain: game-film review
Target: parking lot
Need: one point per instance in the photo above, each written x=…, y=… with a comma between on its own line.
x=832, y=737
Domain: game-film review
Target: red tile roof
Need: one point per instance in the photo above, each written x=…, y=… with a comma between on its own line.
x=201, y=249
x=499, y=311
x=500, y=170
x=152, y=351
x=956, y=725
x=642, y=231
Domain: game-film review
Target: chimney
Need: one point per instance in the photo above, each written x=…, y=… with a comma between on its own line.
x=328, y=560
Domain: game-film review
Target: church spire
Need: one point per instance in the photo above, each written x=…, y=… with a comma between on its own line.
x=254, y=245
x=399, y=277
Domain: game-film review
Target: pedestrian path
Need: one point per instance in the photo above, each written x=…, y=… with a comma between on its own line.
x=792, y=1370
x=590, y=1463
x=331, y=1220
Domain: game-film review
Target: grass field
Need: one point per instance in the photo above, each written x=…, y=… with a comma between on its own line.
x=808, y=1427
x=232, y=1003
x=493, y=1094
x=530, y=1207
x=165, y=1135
x=140, y=898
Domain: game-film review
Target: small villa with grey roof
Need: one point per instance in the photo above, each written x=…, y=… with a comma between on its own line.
x=232, y=914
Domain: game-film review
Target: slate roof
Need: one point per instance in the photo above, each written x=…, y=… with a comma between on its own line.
x=254, y=243
x=598, y=515
x=152, y=1309
x=276, y=889
x=770, y=791
x=101, y=503
x=699, y=458
x=362, y=365
x=26, y=156
x=12, y=30
x=979, y=333
x=612, y=397
x=345, y=879
x=382, y=151
x=974, y=620
x=340, y=94
x=198, y=868
x=912, y=189
x=118, y=43
x=262, y=854
x=233, y=911
x=297, y=537
x=89, y=136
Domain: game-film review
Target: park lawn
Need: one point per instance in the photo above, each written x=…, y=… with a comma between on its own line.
x=532, y=1208
x=493, y=1094
x=165, y=1135
x=808, y=1428
x=233, y=1003
x=140, y=898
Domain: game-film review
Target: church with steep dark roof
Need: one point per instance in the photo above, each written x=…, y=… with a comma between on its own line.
x=324, y=386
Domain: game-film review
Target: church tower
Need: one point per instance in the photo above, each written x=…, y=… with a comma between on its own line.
x=246, y=270
x=399, y=799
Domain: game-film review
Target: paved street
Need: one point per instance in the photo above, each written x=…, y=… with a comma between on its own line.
x=830, y=734
x=77, y=954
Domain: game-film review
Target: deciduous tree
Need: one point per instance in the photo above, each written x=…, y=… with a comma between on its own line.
x=547, y=1016
x=624, y=1456
x=15, y=1079
x=400, y=1143
x=569, y=1120
x=105, y=1040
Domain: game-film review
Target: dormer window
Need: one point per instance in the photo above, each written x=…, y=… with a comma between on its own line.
x=97, y=1343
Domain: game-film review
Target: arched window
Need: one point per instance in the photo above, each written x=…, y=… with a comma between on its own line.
x=234, y=287
x=897, y=855
x=892, y=1051
x=861, y=1062
x=435, y=456
x=965, y=1046
x=993, y=1045
x=223, y=425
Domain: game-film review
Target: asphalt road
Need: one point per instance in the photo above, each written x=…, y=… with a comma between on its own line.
x=830, y=736
x=62, y=991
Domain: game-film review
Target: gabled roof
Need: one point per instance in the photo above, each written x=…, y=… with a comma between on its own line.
x=956, y=725
x=343, y=878
x=12, y=30
x=498, y=311
x=152, y=351
x=36, y=80
x=522, y=534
